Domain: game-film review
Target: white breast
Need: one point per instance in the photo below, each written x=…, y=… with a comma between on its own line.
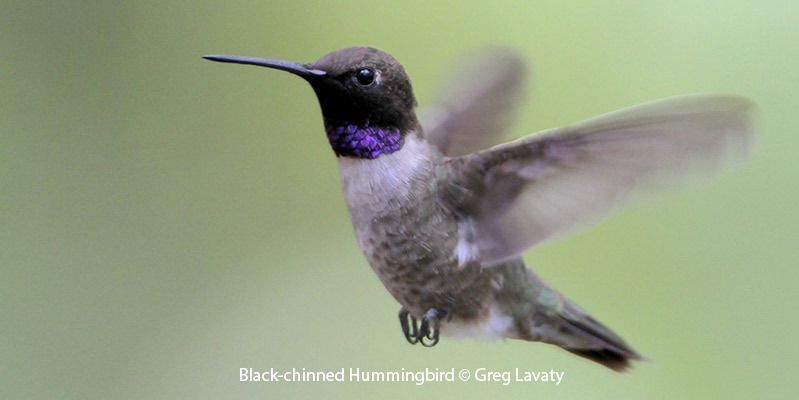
x=372, y=184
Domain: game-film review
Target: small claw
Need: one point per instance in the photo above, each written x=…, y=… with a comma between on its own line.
x=406, y=323
x=431, y=317
x=428, y=333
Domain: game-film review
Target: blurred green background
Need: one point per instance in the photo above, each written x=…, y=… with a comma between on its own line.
x=165, y=221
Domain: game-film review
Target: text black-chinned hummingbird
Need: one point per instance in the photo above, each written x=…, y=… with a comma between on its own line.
x=442, y=218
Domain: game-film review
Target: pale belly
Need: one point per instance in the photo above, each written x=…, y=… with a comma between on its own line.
x=410, y=241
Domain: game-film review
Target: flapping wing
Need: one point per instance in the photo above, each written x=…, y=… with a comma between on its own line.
x=478, y=103
x=517, y=194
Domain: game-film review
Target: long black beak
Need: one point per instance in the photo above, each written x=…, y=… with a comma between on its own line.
x=295, y=68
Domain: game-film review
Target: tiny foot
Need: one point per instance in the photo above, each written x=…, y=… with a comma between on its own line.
x=428, y=332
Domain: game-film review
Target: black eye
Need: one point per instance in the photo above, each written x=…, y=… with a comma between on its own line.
x=365, y=76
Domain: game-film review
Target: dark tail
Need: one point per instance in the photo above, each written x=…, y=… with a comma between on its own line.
x=619, y=362
x=581, y=334
x=548, y=316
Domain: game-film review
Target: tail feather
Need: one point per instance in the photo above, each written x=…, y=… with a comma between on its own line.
x=579, y=333
x=614, y=360
x=543, y=314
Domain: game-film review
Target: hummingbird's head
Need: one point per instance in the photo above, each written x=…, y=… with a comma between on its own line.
x=364, y=86
x=366, y=97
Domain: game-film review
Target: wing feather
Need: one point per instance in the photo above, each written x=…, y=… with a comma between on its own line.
x=478, y=104
x=518, y=194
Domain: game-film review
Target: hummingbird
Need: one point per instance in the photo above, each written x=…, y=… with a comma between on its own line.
x=442, y=216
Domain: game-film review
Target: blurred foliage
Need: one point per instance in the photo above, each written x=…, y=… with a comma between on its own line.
x=165, y=221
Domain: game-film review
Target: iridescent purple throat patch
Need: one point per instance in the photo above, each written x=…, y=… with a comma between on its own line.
x=364, y=142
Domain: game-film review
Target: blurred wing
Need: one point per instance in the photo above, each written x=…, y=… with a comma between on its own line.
x=517, y=194
x=478, y=104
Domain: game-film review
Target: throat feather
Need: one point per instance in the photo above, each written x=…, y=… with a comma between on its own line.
x=364, y=142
